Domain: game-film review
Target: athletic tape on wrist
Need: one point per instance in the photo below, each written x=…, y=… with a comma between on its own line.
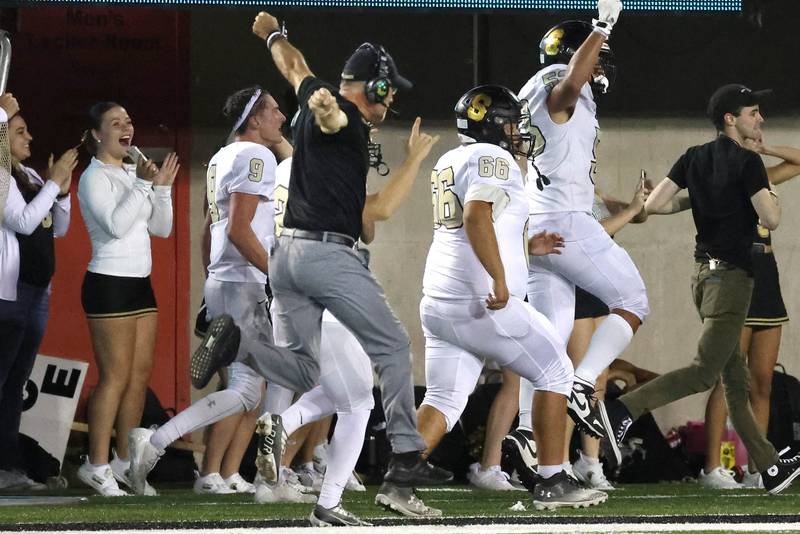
x=603, y=28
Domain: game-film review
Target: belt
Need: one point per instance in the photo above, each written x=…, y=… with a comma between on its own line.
x=761, y=248
x=325, y=237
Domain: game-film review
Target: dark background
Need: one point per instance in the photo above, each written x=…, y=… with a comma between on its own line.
x=669, y=63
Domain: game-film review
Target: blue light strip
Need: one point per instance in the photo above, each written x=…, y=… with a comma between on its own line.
x=630, y=5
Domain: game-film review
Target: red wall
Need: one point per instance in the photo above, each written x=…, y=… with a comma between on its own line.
x=64, y=60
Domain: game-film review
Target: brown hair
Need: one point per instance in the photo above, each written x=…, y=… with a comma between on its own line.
x=96, y=113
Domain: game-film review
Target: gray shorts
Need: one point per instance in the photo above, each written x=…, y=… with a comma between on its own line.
x=246, y=302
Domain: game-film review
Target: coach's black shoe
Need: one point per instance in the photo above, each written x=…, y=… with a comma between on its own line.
x=519, y=453
x=335, y=517
x=619, y=421
x=218, y=349
x=586, y=411
x=404, y=501
x=418, y=473
x=778, y=476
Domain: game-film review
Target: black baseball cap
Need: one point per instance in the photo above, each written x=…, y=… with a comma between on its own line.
x=364, y=65
x=731, y=98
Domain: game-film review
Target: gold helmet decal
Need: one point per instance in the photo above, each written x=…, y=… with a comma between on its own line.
x=552, y=41
x=478, y=107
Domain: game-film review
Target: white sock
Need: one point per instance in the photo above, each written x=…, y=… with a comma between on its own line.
x=546, y=471
x=311, y=406
x=588, y=459
x=343, y=452
x=277, y=399
x=609, y=340
x=525, y=404
x=202, y=413
x=566, y=466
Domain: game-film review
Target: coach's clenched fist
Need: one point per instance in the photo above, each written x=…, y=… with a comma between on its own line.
x=327, y=114
x=265, y=24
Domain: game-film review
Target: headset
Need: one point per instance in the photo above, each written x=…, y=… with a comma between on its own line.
x=379, y=87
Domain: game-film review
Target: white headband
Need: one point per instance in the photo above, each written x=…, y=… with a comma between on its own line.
x=247, y=109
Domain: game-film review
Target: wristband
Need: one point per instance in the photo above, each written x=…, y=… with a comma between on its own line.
x=280, y=33
x=603, y=28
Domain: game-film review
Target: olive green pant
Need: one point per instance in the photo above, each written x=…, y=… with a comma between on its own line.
x=722, y=297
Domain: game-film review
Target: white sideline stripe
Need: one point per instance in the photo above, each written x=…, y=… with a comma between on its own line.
x=482, y=529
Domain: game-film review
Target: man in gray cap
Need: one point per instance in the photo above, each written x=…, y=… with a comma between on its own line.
x=729, y=193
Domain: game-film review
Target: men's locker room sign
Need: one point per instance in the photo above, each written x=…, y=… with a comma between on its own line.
x=50, y=399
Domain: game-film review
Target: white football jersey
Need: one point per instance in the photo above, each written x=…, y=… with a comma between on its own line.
x=477, y=171
x=240, y=167
x=282, y=175
x=567, y=157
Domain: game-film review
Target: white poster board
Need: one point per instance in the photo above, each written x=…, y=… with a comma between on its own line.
x=50, y=400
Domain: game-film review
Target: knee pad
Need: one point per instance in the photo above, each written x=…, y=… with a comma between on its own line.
x=637, y=303
x=246, y=383
x=558, y=377
x=449, y=402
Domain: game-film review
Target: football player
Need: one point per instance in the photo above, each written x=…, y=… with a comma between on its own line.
x=345, y=384
x=475, y=281
x=577, y=67
x=240, y=184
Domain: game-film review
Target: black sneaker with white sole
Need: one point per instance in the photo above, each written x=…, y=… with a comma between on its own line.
x=519, y=453
x=779, y=475
x=217, y=350
x=335, y=517
x=420, y=473
x=619, y=421
x=586, y=411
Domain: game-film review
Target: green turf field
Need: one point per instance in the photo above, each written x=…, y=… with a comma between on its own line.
x=181, y=505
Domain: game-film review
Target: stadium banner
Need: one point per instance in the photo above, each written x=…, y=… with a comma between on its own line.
x=51, y=397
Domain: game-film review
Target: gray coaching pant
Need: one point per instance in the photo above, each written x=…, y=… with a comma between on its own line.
x=308, y=277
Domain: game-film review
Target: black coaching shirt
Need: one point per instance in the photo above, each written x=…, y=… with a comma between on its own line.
x=721, y=176
x=329, y=171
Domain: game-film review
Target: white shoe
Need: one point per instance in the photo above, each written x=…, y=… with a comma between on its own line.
x=490, y=479
x=718, y=478
x=120, y=470
x=239, y=485
x=211, y=484
x=354, y=483
x=591, y=474
x=100, y=478
x=309, y=477
x=144, y=457
x=289, y=477
x=281, y=492
x=17, y=480
x=752, y=480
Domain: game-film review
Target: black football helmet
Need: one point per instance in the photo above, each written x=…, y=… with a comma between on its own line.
x=483, y=112
x=563, y=40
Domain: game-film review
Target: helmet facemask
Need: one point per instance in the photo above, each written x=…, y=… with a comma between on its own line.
x=520, y=143
x=603, y=81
